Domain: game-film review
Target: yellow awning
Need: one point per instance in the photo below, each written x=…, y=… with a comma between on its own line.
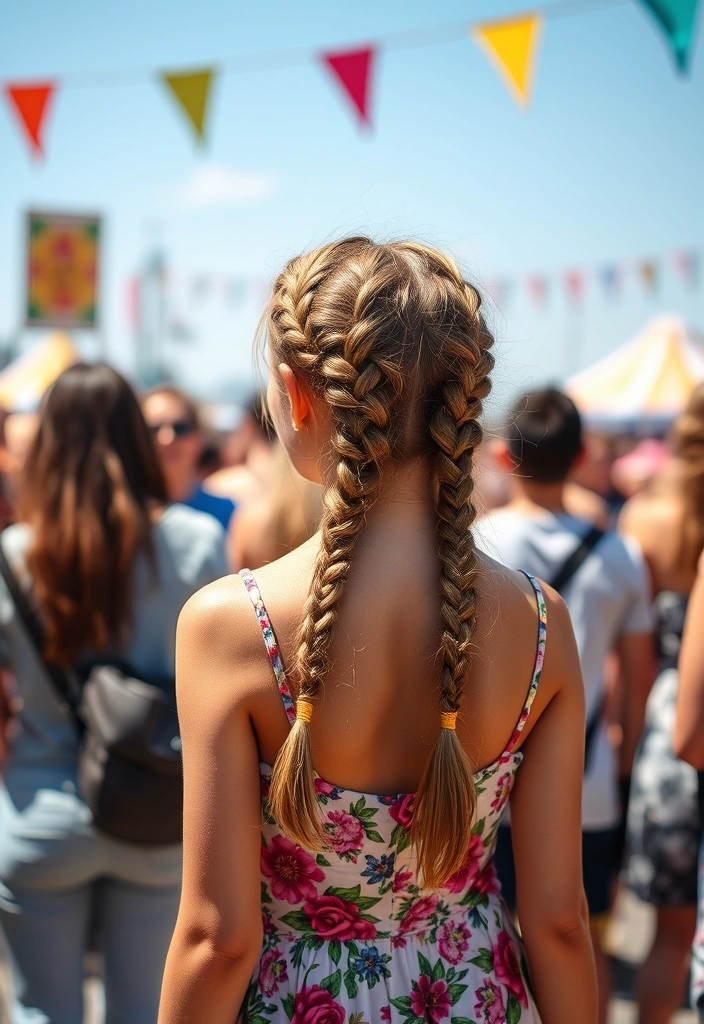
x=25, y=380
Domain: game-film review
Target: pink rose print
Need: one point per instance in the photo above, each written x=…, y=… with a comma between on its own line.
x=487, y=882
x=460, y=880
x=346, y=832
x=430, y=1000
x=490, y=1004
x=401, y=810
x=419, y=912
x=402, y=880
x=323, y=788
x=385, y=1013
x=315, y=1005
x=503, y=791
x=292, y=871
x=333, y=918
x=272, y=971
x=507, y=968
x=453, y=942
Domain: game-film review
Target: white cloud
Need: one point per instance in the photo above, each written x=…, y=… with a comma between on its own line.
x=213, y=185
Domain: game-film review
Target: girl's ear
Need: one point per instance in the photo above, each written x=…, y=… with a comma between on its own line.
x=298, y=396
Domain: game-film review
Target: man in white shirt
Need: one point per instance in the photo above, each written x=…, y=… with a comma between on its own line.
x=603, y=580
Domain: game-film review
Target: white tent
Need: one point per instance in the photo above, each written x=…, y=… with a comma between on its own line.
x=646, y=382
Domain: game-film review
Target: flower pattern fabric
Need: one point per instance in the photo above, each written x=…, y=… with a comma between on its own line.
x=349, y=935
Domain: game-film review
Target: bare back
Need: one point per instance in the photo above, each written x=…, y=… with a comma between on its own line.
x=655, y=518
x=377, y=720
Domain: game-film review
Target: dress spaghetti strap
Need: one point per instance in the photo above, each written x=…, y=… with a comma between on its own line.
x=537, y=668
x=272, y=650
x=272, y=647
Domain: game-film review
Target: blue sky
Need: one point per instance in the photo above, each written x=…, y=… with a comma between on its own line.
x=606, y=165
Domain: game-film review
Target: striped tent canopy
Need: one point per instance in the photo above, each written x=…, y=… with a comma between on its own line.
x=644, y=384
x=24, y=381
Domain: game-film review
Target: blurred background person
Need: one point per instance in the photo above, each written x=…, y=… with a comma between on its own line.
x=174, y=422
x=664, y=827
x=279, y=519
x=17, y=434
x=688, y=743
x=109, y=564
x=247, y=455
x=604, y=584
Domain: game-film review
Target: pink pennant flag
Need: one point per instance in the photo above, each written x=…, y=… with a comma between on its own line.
x=352, y=70
x=574, y=285
x=537, y=288
x=687, y=266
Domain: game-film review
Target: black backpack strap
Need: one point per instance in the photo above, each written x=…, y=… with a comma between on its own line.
x=592, y=728
x=585, y=547
x=33, y=628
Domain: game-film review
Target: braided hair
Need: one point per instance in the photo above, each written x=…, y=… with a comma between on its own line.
x=391, y=338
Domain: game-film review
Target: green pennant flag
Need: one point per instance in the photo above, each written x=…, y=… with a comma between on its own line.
x=676, y=18
x=192, y=90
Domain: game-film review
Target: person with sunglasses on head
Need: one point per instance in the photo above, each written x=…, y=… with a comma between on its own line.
x=174, y=422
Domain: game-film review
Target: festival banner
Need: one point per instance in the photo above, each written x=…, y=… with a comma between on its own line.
x=191, y=90
x=62, y=270
x=30, y=103
x=352, y=69
x=677, y=19
x=512, y=47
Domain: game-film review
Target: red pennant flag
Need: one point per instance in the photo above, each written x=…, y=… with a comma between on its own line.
x=352, y=69
x=31, y=103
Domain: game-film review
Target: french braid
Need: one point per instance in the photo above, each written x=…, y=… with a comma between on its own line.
x=358, y=387
x=392, y=339
x=447, y=791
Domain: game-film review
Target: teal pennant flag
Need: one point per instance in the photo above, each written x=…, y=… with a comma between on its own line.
x=676, y=18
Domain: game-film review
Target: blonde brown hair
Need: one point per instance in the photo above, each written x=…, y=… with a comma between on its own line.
x=687, y=441
x=392, y=339
x=90, y=483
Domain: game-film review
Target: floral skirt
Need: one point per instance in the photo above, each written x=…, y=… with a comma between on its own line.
x=464, y=977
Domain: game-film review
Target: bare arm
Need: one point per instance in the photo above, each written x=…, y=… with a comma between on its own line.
x=546, y=820
x=218, y=934
x=636, y=671
x=688, y=736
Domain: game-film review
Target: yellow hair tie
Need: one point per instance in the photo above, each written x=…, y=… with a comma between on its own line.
x=448, y=720
x=304, y=710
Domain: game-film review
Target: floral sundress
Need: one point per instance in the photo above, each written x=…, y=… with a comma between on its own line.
x=349, y=935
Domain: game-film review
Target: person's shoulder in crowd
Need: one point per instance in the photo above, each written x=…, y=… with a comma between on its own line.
x=15, y=540
x=197, y=537
x=214, y=505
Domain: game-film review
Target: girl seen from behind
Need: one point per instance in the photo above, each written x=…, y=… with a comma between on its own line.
x=403, y=661
x=108, y=567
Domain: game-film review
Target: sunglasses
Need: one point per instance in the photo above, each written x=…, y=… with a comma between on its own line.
x=181, y=428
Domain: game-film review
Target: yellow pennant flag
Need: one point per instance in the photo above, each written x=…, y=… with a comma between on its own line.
x=512, y=46
x=192, y=90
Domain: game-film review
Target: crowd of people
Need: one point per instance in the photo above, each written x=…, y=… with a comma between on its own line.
x=407, y=564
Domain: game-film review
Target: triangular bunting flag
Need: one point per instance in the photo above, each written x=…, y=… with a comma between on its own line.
x=192, y=91
x=676, y=17
x=31, y=103
x=352, y=69
x=512, y=47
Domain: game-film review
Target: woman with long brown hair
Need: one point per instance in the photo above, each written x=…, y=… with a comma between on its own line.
x=108, y=567
x=406, y=664
x=664, y=827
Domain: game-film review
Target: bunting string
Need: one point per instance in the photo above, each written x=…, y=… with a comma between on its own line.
x=510, y=44
x=574, y=283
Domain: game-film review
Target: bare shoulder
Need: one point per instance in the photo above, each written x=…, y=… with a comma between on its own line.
x=647, y=514
x=219, y=649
